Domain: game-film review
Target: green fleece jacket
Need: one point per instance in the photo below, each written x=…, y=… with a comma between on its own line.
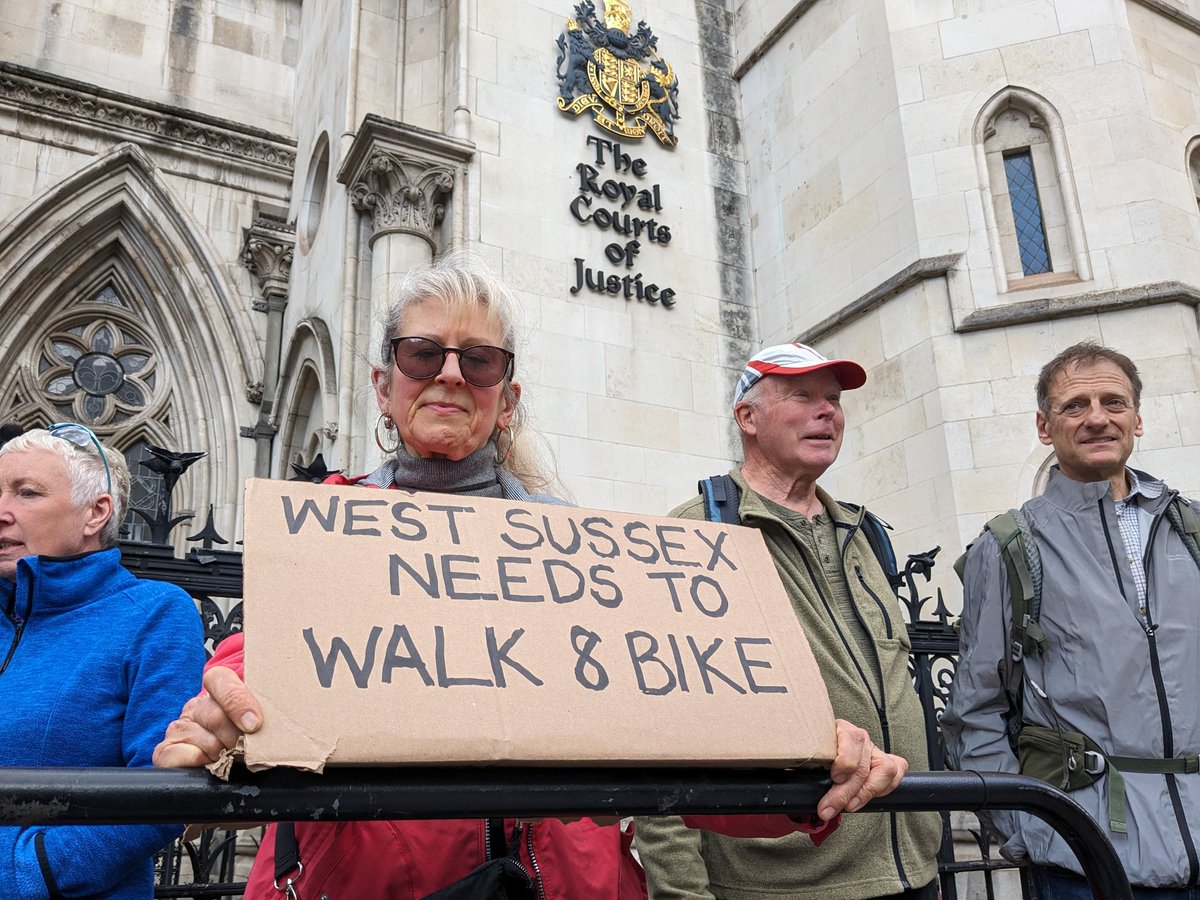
x=871, y=854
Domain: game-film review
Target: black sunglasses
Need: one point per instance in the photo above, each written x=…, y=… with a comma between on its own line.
x=481, y=365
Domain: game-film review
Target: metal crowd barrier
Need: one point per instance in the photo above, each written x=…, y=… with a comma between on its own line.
x=125, y=796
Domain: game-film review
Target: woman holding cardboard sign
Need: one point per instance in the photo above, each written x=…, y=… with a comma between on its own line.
x=449, y=414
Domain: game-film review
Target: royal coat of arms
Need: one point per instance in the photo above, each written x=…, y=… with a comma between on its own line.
x=602, y=67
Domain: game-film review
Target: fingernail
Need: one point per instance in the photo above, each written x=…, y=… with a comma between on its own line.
x=853, y=804
x=248, y=722
x=825, y=814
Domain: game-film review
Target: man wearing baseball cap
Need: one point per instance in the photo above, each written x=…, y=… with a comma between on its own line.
x=787, y=405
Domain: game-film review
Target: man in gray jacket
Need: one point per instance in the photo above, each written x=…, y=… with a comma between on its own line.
x=1110, y=684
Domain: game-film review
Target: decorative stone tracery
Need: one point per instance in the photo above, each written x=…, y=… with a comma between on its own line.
x=132, y=118
x=99, y=370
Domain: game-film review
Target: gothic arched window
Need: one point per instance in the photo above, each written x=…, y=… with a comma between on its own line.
x=1033, y=214
x=94, y=361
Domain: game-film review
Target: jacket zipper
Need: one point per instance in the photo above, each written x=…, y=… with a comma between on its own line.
x=884, y=728
x=1151, y=627
x=887, y=621
x=18, y=622
x=1164, y=711
x=850, y=654
x=489, y=854
x=18, y=630
x=1112, y=551
x=537, y=870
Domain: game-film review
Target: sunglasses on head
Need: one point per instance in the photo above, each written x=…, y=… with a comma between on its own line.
x=84, y=438
x=481, y=365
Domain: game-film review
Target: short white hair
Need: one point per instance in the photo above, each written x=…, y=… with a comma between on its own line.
x=86, y=470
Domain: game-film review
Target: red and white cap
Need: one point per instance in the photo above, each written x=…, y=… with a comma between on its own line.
x=797, y=359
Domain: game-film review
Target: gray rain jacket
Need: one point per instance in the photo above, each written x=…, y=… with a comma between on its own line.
x=1130, y=684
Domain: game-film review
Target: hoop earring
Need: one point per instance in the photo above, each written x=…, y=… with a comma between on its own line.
x=388, y=427
x=502, y=455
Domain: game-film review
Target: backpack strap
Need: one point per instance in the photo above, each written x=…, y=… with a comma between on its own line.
x=875, y=530
x=287, y=859
x=1025, y=633
x=1066, y=759
x=1185, y=521
x=1022, y=562
x=722, y=496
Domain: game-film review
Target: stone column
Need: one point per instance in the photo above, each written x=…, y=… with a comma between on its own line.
x=267, y=249
x=405, y=178
x=406, y=199
x=412, y=183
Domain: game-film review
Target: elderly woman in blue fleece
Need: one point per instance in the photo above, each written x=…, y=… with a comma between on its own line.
x=94, y=663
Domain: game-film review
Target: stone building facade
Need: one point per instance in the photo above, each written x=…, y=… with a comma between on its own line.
x=205, y=203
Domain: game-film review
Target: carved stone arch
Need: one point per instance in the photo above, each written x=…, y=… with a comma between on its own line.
x=308, y=391
x=1056, y=186
x=116, y=222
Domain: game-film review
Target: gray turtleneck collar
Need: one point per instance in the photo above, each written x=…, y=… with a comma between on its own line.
x=477, y=475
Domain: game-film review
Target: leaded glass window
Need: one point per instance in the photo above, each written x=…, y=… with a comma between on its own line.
x=96, y=361
x=1033, y=218
x=145, y=493
x=1027, y=213
x=100, y=372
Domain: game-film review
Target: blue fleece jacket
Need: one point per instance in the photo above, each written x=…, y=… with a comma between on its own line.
x=94, y=664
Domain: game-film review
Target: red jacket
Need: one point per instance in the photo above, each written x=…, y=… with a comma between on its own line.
x=411, y=858
x=399, y=860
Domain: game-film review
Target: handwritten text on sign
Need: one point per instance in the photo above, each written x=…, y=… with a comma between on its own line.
x=393, y=594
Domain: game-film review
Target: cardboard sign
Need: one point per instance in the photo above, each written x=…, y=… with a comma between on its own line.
x=389, y=627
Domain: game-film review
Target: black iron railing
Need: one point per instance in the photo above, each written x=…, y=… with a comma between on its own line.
x=118, y=796
x=214, y=577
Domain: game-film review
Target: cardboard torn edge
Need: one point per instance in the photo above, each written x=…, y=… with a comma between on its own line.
x=223, y=763
x=305, y=752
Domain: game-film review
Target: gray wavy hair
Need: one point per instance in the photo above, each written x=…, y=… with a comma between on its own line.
x=86, y=470
x=465, y=285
